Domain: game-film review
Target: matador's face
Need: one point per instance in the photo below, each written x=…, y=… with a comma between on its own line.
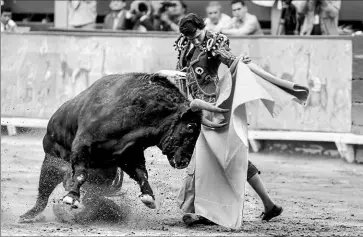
x=197, y=38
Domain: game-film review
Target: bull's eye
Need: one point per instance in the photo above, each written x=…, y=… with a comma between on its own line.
x=191, y=125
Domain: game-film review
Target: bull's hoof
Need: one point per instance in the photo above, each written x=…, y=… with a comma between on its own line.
x=71, y=201
x=65, y=212
x=148, y=200
x=31, y=219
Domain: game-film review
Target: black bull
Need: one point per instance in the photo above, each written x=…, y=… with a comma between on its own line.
x=109, y=125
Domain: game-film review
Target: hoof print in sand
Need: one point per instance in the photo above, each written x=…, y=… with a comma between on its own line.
x=39, y=218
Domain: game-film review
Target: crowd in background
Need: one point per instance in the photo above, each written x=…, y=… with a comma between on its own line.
x=311, y=17
x=145, y=15
x=288, y=17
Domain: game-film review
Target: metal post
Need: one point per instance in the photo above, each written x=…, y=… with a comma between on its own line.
x=61, y=14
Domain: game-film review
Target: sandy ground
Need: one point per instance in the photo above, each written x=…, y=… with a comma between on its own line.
x=321, y=196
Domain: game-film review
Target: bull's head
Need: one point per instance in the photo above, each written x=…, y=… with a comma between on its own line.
x=179, y=141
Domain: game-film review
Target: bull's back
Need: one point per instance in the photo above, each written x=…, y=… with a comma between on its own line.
x=63, y=125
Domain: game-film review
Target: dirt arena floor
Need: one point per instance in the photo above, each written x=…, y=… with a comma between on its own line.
x=321, y=196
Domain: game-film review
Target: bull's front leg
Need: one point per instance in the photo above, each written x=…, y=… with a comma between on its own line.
x=135, y=167
x=146, y=196
x=79, y=160
x=139, y=174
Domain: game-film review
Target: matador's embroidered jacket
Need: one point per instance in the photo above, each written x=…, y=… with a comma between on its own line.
x=202, y=62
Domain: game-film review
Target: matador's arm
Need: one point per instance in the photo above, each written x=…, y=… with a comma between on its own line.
x=221, y=50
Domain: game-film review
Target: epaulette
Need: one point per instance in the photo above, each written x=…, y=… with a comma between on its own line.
x=180, y=43
x=216, y=41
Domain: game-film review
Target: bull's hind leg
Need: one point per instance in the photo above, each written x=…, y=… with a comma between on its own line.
x=133, y=163
x=52, y=172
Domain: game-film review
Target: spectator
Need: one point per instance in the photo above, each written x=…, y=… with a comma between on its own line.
x=243, y=23
x=170, y=14
x=282, y=16
x=288, y=21
x=7, y=24
x=115, y=20
x=82, y=14
x=46, y=20
x=216, y=20
x=139, y=17
x=320, y=16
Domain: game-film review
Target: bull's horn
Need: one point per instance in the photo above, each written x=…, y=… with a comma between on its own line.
x=210, y=124
x=198, y=104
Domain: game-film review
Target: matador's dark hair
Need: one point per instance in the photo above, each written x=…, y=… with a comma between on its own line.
x=190, y=23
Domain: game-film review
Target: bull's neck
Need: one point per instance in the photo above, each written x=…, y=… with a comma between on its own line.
x=145, y=137
x=165, y=132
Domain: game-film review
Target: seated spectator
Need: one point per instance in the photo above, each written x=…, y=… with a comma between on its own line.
x=7, y=24
x=243, y=23
x=115, y=20
x=139, y=18
x=288, y=20
x=82, y=14
x=216, y=20
x=46, y=20
x=169, y=15
x=320, y=16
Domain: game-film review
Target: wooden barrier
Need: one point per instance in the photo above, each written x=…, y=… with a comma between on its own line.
x=357, y=93
x=41, y=70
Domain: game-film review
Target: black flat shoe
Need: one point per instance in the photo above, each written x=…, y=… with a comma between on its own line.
x=192, y=219
x=275, y=211
x=204, y=221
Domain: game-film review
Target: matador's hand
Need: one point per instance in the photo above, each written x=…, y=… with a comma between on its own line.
x=172, y=75
x=245, y=59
